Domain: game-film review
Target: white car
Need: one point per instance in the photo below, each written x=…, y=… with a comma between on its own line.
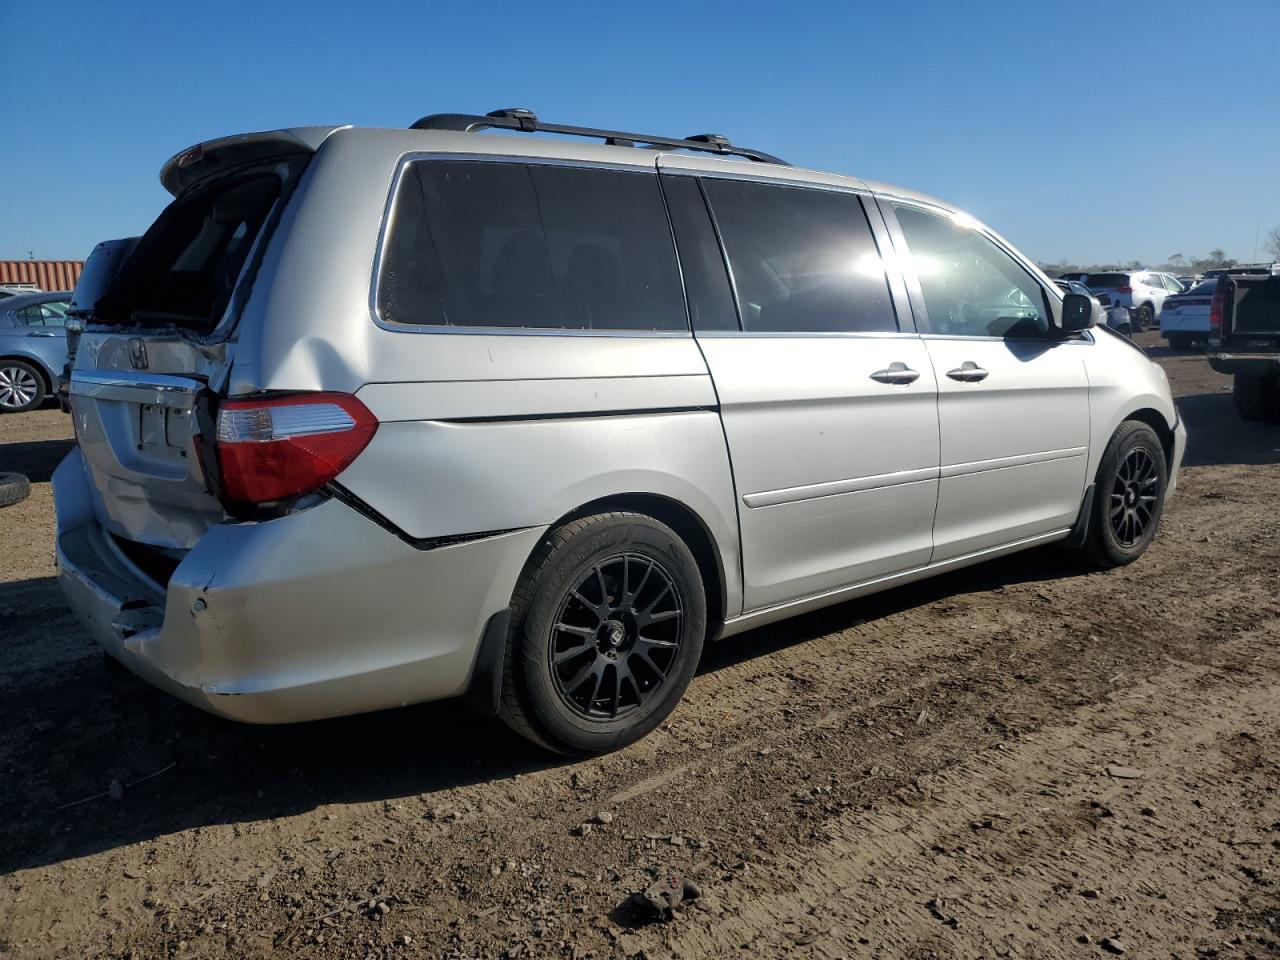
x=1185, y=317
x=1143, y=292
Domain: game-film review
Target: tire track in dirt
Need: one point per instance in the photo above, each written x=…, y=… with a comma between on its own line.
x=1066, y=851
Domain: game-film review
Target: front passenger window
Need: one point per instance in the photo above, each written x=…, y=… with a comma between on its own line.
x=971, y=287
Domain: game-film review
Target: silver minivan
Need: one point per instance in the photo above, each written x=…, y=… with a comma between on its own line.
x=374, y=417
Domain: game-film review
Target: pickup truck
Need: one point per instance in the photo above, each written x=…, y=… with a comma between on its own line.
x=1244, y=340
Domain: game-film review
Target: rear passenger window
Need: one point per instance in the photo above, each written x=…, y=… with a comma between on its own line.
x=477, y=244
x=803, y=261
x=706, y=284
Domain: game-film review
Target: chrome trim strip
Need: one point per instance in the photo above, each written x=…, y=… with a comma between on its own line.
x=1003, y=463
x=832, y=488
x=646, y=169
x=153, y=388
x=1085, y=338
x=781, y=179
x=793, y=335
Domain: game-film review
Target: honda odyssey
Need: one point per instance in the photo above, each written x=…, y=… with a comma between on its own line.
x=374, y=417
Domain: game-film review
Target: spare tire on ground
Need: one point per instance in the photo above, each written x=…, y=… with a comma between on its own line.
x=13, y=487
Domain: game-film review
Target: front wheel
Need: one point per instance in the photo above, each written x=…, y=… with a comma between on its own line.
x=1128, y=496
x=608, y=620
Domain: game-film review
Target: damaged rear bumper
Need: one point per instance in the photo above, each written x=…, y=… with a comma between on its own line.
x=317, y=614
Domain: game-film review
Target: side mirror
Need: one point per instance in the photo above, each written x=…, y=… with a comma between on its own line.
x=1079, y=312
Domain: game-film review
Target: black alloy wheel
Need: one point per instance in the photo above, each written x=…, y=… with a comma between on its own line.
x=616, y=636
x=1134, y=495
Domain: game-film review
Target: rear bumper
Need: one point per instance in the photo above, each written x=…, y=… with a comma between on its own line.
x=317, y=614
x=1174, y=322
x=1258, y=363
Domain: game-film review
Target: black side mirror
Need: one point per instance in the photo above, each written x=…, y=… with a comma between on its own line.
x=1079, y=312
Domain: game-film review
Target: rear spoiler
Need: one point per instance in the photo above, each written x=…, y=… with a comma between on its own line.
x=206, y=159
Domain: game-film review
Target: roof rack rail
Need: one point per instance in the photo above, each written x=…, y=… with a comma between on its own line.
x=517, y=118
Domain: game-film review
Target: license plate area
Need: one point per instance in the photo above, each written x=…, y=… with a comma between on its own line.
x=163, y=432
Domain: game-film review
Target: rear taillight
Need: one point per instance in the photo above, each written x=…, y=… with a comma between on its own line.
x=277, y=447
x=1124, y=289
x=1215, y=313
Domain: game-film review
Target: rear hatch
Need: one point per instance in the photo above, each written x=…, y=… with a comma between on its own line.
x=1251, y=305
x=1196, y=300
x=1105, y=285
x=160, y=341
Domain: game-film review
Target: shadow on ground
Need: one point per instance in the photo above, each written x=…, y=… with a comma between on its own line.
x=36, y=458
x=69, y=726
x=70, y=723
x=1217, y=435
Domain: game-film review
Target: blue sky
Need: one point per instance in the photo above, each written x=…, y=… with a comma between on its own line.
x=1092, y=132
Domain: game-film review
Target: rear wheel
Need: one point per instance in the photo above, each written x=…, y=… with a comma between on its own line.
x=608, y=619
x=21, y=386
x=1144, y=317
x=1128, y=496
x=1257, y=396
x=1180, y=341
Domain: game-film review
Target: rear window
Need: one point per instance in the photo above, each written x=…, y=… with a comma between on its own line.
x=185, y=268
x=1107, y=281
x=481, y=244
x=1204, y=288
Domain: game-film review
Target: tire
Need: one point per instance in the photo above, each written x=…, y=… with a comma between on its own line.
x=1133, y=448
x=14, y=487
x=1257, y=396
x=1180, y=341
x=22, y=386
x=612, y=684
x=1143, y=317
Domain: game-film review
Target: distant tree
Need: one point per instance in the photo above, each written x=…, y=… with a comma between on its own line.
x=1271, y=245
x=1177, y=260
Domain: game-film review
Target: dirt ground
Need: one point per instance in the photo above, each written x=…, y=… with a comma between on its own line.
x=923, y=773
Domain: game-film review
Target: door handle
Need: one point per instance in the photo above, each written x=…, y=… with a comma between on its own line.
x=896, y=372
x=33, y=333
x=968, y=372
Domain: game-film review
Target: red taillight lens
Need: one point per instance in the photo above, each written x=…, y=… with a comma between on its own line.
x=278, y=447
x=1124, y=289
x=1215, y=313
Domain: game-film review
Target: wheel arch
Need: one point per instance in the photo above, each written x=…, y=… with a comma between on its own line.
x=484, y=690
x=1156, y=421
x=688, y=525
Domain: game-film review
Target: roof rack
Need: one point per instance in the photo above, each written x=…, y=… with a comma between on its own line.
x=517, y=118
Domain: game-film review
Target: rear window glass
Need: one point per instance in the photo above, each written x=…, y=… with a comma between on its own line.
x=1107, y=281
x=185, y=268
x=479, y=244
x=1204, y=288
x=803, y=261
